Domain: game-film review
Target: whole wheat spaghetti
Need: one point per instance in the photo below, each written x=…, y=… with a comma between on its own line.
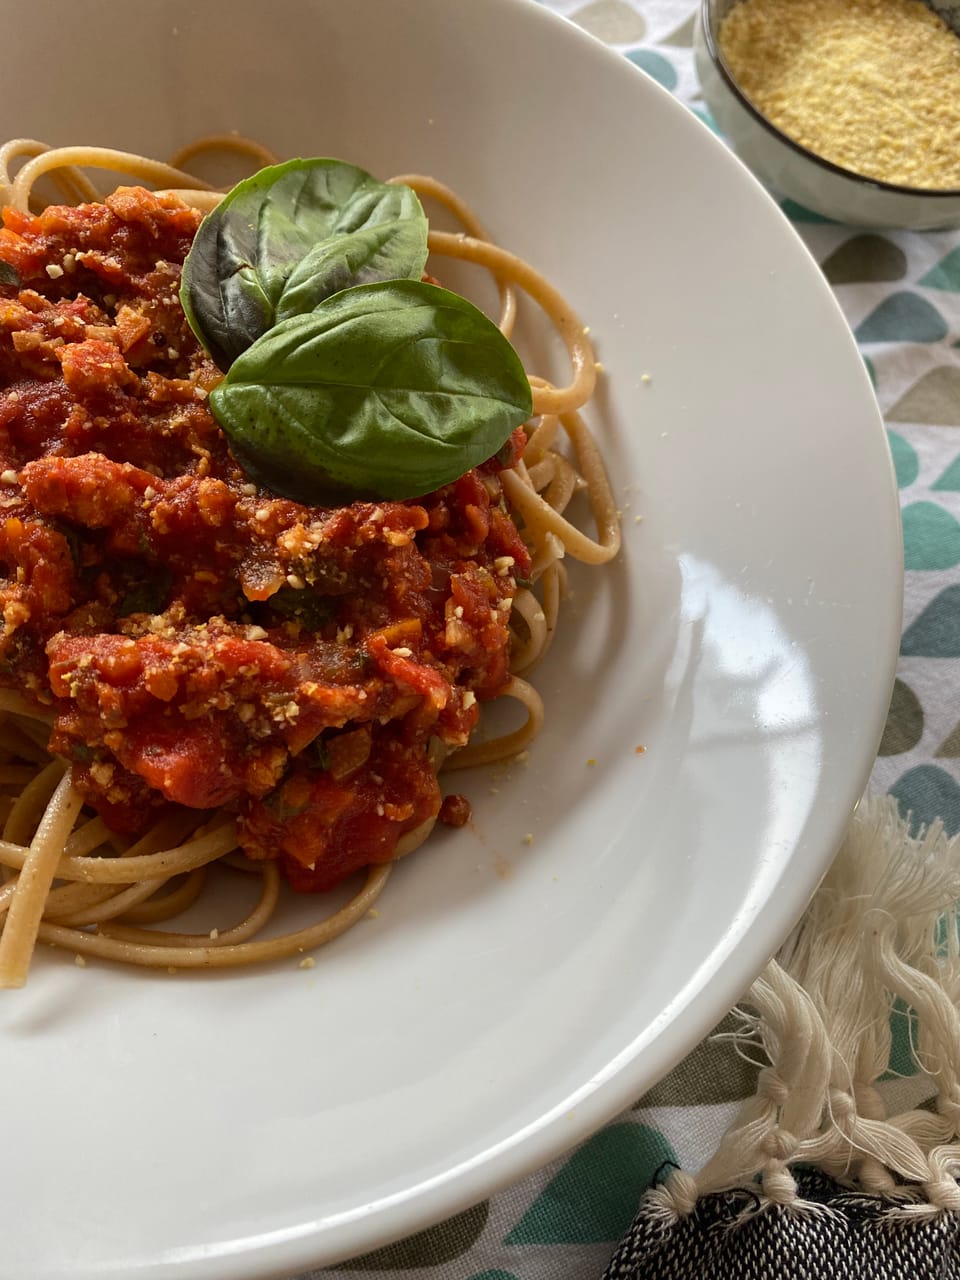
x=102, y=884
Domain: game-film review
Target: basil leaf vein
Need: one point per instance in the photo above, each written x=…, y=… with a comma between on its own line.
x=383, y=391
x=287, y=238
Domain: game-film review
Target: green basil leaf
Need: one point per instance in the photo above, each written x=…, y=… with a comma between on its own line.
x=316, y=755
x=307, y=606
x=348, y=259
x=282, y=811
x=9, y=275
x=73, y=541
x=290, y=236
x=147, y=595
x=384, y=391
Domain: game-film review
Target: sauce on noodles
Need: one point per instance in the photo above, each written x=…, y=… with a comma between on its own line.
x=178, y=641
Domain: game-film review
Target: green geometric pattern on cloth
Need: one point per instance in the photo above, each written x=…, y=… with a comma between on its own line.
x=932, y=399
x=594, y=1196
x=906, y=464
x=430, y=1248
x=900, y=293
x=902, y=317
x=712, y=1074
x=903, y=1034
x=865, y=258
x=946, y=273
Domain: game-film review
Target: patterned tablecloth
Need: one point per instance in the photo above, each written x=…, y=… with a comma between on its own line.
x=900, y=293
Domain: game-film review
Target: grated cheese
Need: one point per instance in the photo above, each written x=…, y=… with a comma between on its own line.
x=872, y=85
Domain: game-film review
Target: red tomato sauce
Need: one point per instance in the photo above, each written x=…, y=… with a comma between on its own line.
x=201, y=641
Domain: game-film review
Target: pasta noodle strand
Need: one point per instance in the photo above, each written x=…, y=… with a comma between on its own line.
x=68, y=881
x=33, y=884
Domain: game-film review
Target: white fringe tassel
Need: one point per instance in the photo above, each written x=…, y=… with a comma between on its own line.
x=883, y=925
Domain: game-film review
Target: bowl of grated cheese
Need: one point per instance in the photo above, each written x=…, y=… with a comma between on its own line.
x=850, y=107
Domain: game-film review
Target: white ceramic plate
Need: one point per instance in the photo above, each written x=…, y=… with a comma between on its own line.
x=510, y=998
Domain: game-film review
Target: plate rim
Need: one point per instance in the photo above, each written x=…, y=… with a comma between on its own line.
x=602, y=1099
x=287, y=1252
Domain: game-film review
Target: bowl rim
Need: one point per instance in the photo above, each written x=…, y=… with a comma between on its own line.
x=894, y=188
